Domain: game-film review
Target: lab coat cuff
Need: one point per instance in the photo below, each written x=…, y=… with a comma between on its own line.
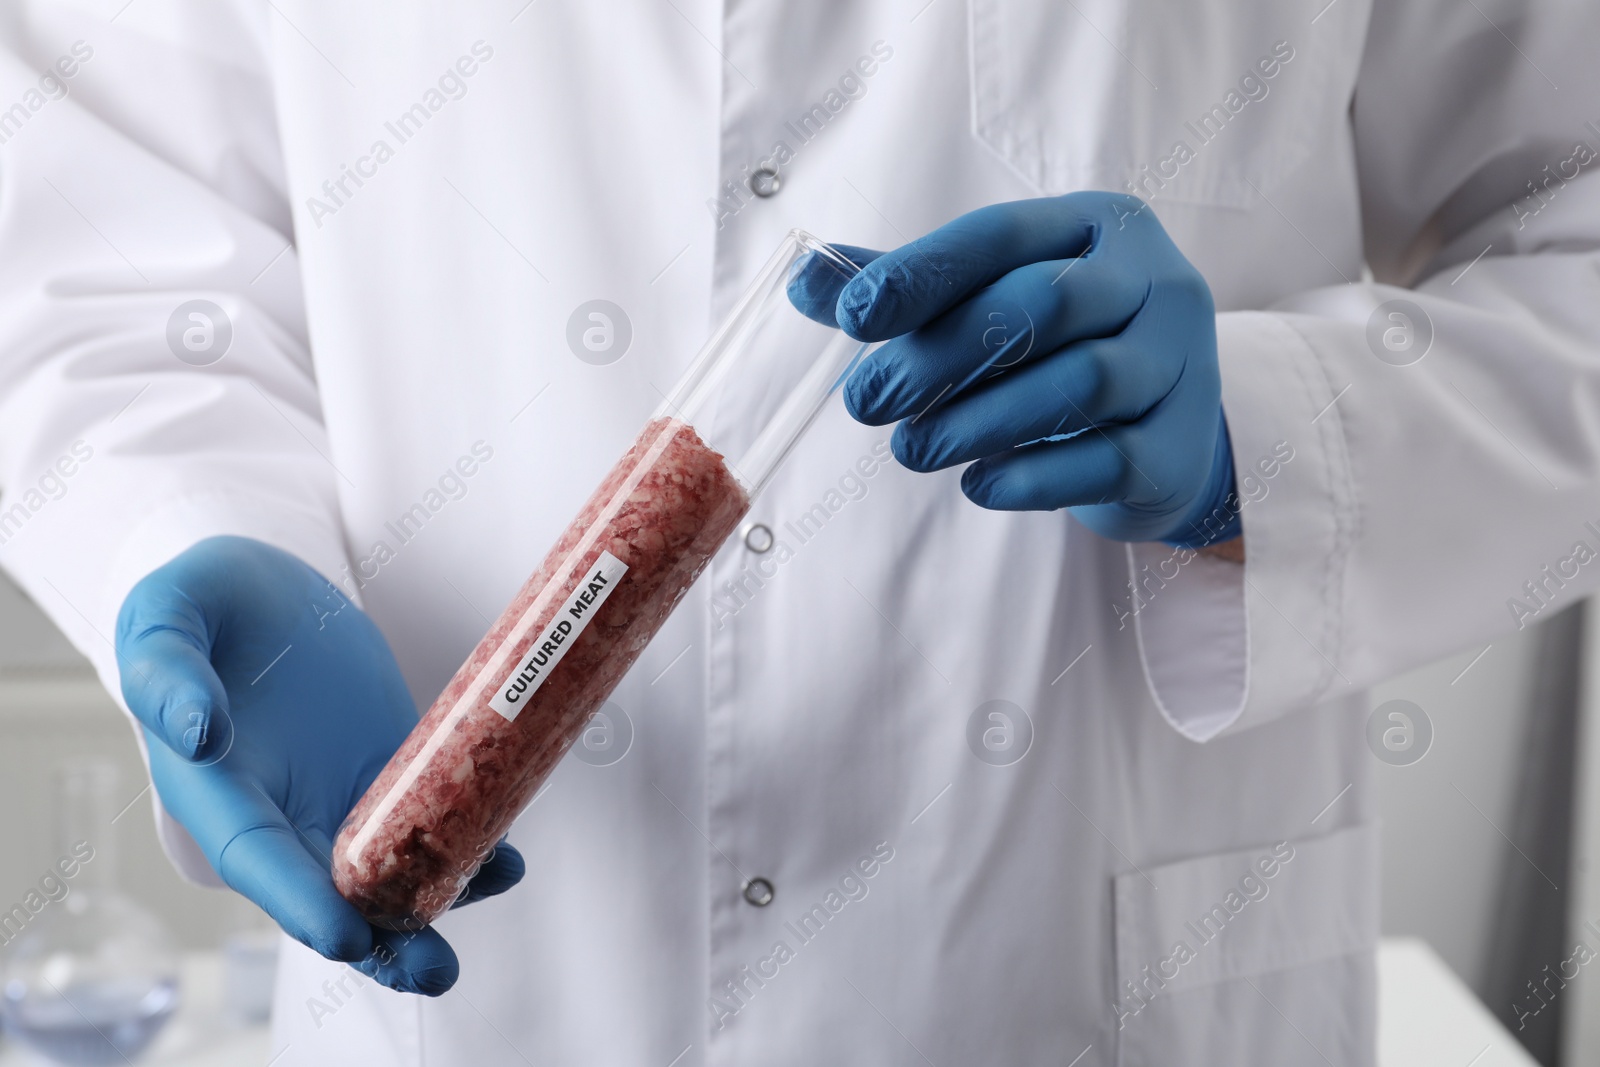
x=1225, y=646
x=161, y=535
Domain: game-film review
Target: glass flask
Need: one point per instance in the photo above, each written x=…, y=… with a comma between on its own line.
x=90, y=977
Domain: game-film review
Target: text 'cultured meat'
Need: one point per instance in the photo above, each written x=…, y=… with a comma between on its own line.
x=464, y=774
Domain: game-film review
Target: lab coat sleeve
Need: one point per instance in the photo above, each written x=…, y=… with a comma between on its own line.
x=1393, y=514
x=115, y=454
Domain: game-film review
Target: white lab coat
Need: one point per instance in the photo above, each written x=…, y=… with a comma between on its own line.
x=800, y=720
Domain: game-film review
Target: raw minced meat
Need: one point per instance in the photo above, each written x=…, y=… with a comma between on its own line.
x=461, y=778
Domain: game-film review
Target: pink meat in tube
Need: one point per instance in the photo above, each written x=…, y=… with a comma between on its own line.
x=435, y=812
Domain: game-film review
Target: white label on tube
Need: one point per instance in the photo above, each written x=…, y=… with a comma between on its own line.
x=553, y=642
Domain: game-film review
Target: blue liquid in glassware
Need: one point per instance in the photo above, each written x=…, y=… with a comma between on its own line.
x=90, y=1023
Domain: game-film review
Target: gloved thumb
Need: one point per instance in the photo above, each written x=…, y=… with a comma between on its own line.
x=164, y=654
x=816, y=281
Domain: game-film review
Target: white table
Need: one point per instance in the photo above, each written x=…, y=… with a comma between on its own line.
x=1427, y=1017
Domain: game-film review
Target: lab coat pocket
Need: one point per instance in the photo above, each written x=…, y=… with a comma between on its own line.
x=1248, y=957
x=1205, y=102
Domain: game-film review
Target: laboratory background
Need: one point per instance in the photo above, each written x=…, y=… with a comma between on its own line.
x=1488, y=766
x=1486, y=763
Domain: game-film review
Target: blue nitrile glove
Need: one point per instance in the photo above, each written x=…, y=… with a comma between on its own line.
x=269, y=703
x=1065, y=345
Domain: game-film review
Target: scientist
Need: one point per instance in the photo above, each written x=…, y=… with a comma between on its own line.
x=1050, y=747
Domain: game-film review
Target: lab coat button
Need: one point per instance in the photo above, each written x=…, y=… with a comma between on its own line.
x=758, y=891
x=764, y=181
x=758, y=538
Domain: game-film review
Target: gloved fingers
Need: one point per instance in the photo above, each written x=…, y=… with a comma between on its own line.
x=284, y=868
x=816, y=281
x=1097, y=467
x=255, y=849
x=1025, y=316
x=268, y=862
x=503, y=869
x=163, y=652
x=411, y=961
x=285, y=872
x=917, y=282
x=1066, y=394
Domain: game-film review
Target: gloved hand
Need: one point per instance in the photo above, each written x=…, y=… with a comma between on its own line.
x=269, y=702
x=1064, y=347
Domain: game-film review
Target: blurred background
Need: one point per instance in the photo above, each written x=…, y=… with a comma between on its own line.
x=143, y=938
x=1490, y=798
